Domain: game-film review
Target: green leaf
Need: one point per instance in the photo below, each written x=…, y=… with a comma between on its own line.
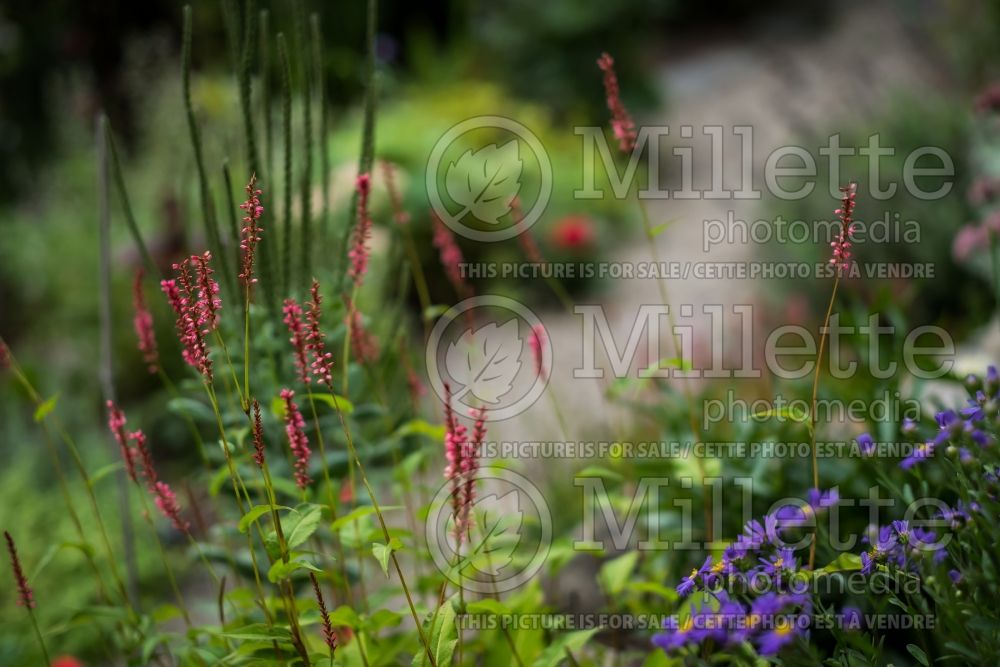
x=599, y=471
x=188, y=407
x=615, y=573
x=842, y=563
x=441, y=636
x=54, y=549
x=918, y=653
x=421, y=427
x=801, y=415
x=660, y=228
x=663, y=364
x=255, y=513
x=282, y=570
x=360, y=513
x=434, y=311
x=383, y=551
x=104, y=471
x=487, y=606
x=556, y=652
x=45, y=407
x=383, y=618
x=335, y=401
x=304, y=527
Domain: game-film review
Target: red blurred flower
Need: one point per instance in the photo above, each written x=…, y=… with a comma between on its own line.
x=573, y=232
x=143, y=324
x=67, y=661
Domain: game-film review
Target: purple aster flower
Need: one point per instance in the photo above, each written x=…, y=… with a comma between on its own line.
x=689, y=582
x=784, y=630
x=955, y=576
x=792, y=514
x=909, y=426
x=866, y=444
x=949, y=426
x=851, y=618
x=782, y=562
x=920, y=452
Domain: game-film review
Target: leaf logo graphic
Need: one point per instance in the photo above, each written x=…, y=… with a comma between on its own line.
x=485, y=182
x=486, y=360
x=499, y=520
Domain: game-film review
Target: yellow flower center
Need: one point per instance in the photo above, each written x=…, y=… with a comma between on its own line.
x=694, y=573
x=718, y=566
x=783, y=628
x=780, y=563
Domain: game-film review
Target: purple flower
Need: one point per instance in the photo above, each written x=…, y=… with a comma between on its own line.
x=955, y=576
x=851, y=618
x=866, y=444
x=784, y=630
x=920, y=452
x=689, y=582
x=817, y=501
x=782, y=562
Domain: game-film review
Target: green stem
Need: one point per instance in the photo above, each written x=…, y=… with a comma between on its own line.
x=385, y=532
x=812, y=411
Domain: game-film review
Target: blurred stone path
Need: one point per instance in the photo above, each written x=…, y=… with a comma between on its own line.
x=805, y=84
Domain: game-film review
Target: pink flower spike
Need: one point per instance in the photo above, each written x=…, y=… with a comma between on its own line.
x=322, y=361
x=364, y=346
x=329, y=637
x=166, y=502
x=116, y=424
x=841, y=254
x=143, y=324
x=297, y=440
x=451, y=256
x=299, y=339
x=258, y=435
x=4, y=356
x=250, y=232
x=362, y=230
x=208, y=304
x=25, y=596
x=621, y=121
x=142, y=453
x=191, y=336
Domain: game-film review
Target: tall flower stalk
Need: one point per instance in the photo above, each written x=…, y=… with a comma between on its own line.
x=625, y=132
x=840, y=260
x=25, y=596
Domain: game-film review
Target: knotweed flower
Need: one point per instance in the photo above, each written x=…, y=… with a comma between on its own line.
x=364, y=346
x=537, y=341
x=258, y=435
x=166, y=502
x=621, y=121
x=525, y=238
x=143, y=324
x=399, y=214
x=116, y=424
x=250, y=232
x=362, y=230
x=841, y=246
x=163, y=496
x=462, y=455
x=451, y=256
x=329, y=637
x=189, y=331
x=469, y=465
x=322, y=361
x=297, y=440
x=25, y=597
x=208, y=303
x=4, y=356
x=299, y=339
